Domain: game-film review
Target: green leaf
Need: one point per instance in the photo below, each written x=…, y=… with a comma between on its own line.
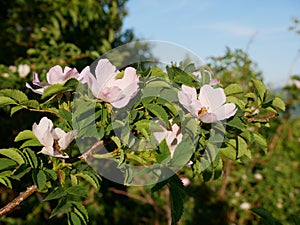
x=278, y=103
x=7, y=101
x=6, y=182
x=176, y=198
x=74, y=219
x=81, y=211
x=31, y=104
x=15, y=109
x=77, y=190
x=90, y=177
x=14, y=154
x=31, y=157
x=61, y=208
x=66, y=115
x=164, y=154
x=236, y=122
x=267, y=217
x=17, y=95
x=56, y=194
x=40, y=179
x=230, y=150
x=51, y=174
x=21, y=171
x=7, y=163
x=24, y=135
x=158, y=111
x=243, y=148
x=260, y=88
x=31, y=143
x=182, y=153
x=233, y=89
x=53, y=90
x=260, y=141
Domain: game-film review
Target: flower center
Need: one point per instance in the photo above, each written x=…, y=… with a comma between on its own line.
x=56, y=146
x=202, y=111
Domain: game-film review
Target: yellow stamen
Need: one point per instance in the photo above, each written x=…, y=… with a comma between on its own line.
x=202, y=111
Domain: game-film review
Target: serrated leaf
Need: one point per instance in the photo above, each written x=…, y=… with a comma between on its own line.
x=77, y=190
x=6, y=182
x=176, y=198
x=91, y=178
x=53, y=90
x=230, y=150
x=164, y=154
x=74, y=219
x=17, y=95
x=31, y=158
x=233, y=89
x=31, y=143
x=278, y=103
x=66, y=115
x=40, y=179
x=62, y=207
x=31, y=104
x=56, y=194
x=182, y=153
x=81, y=211
x=15, y=109
x=158, y=111
x=243, y=148
x=24, y=135
x=260, y=88
x=7, y=101
x=236, y=123
x=21, y=171
x=261, y=141
x=14, y=154
x=7, y=163
x=51, y=174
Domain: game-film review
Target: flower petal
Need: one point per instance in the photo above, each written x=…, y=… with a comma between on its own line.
x=55, y=75
x=43, y=132
x=38, y=91
x=225, y=111
x=65, y=140
x=126, y=95
x=104, y=72
x=211, y=98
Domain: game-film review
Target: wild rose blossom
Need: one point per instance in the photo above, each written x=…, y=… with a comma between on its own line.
x=23, y=70
x=210, y=106
x=54, y=76
x=54, y=140
x=109, y=88
x=172, y=135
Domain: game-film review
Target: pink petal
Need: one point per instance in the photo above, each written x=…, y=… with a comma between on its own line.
x=225, y=111
x=208, y=118
x=65, y=140
x=55, y=75
x=126, y=95
x=211, y=98
x=38, y=91
x=105, y=71
x=43, y=132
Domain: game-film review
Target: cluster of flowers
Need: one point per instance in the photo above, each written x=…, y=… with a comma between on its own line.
x=107, y=85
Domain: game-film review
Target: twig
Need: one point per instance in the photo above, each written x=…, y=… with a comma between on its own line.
x=267, y=118
x=91, y=150
x=17, y=200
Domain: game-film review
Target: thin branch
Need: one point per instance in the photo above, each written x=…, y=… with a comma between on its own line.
x=17, y=200
x=267, y=118
x=98, y=145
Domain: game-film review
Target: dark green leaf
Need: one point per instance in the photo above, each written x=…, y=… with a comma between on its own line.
x=31, y=157
x=62, y=207
x=77, y=190
x=260, y=88
x=53, y=90
x=182, y=153
x=40, y=179
x=267, y=217
x=56, y=194
x=7, y=163
x=158, y=111
x=74, y=219
x=31, y=143
x=164, y=154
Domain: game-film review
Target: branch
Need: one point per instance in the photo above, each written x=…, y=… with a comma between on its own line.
x=98, y=145
x=262, y=119
x=17, y=200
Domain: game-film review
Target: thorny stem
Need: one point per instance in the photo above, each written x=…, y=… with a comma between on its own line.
x=17, y=201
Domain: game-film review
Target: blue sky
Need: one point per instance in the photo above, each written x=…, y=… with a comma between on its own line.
x=207, y=27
